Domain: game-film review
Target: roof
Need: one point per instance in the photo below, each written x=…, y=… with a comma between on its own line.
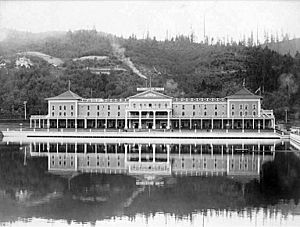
x=150, y=94
x=68, y=95
x=244, y=93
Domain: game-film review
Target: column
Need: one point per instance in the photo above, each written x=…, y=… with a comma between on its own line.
x=126, y=126
x=259, y=126
x=66, y=123
x=57, y=123
x=126, y=151
x=76, y=124
x=153, y=152
x=116, y=123
x=180, y=124
x=253, y=123
x=96, y=123
x=43, y=123
x=140, y=119
x=39, y=122
x=168, y=153
x=201, y=123
x=212, y=123
x=222, y=126
x=85, y=148
x=263, y=123
x=191, y=123
x=34, y=123
x=154, y=121
x=85, y=123
x=232, y=123
x=168, y=123
x=140, y=153
x=106, y=123
x=30, y=123
x=243, y=124
x=227, y=164
x=48, y=123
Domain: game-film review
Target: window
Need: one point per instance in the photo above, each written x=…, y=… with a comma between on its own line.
x=98, y=107
x=65, y=107
x=88, y=107
x=52, y=114
x=108, y=107
x=59, y=113
x=205, y=106
x=119, y=114
x=194, y=107
x=53, y=107
x=254, y=113
x=88, y=113
x=205, y=113
x=59, y=107
x=166, y=105
x=216, y=113
x=141, y=105
x=246, y=113
x=241, y=106
x=246, y=107
x=182, y=113
x=159, y=105
x=134, y=105
x=193, y=113
x=64, y=113
x=216, y=106
x=150, y=105
x=254, y=106
x=108, y=114
x=232, y=113
x=232, y=106
x=183, y=107
x=71, y=113
x=241, y=113
x=118, y=107
x=98, y=114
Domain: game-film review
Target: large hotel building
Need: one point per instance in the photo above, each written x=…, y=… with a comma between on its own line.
x=152, y=109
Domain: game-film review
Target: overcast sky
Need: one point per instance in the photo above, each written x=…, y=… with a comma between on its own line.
x=223, y=18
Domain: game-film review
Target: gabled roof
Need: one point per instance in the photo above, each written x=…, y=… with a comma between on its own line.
x=244, y=93
x=68, y=95
x=150, y=94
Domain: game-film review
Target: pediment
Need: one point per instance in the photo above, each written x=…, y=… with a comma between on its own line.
x=150, y=95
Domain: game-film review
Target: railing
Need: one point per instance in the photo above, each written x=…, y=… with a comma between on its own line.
x=148, y=108
x=268, y=113
x=39, y=116
x=199, y=99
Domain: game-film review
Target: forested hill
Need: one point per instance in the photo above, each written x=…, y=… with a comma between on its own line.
x=184, y=68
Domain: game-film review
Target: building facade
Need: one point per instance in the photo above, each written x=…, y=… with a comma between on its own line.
x=151, y=109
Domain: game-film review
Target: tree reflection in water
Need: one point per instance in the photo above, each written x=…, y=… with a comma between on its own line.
x=88, y=196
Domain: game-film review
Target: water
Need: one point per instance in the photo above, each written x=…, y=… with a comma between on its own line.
x=109, y=182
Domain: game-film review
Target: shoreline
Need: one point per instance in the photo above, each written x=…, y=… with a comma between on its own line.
x=150, y=134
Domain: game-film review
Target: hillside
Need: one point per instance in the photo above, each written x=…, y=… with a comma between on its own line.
x=285, y=47
x=184, y=68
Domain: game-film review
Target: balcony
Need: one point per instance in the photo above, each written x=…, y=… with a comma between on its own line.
x=147, y=108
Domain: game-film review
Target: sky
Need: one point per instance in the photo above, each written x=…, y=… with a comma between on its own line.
x=158, y=18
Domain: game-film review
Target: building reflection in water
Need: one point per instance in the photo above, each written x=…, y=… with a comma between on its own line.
x=151, y=163
x=145, y=177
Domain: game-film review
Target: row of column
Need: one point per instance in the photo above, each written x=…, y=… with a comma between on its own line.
x=41, y=123
x=140, y=119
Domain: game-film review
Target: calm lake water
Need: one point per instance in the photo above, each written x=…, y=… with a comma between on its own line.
x=98, y=182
